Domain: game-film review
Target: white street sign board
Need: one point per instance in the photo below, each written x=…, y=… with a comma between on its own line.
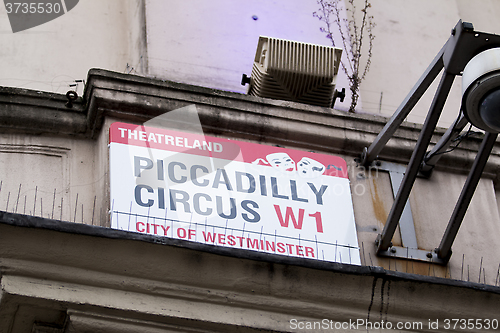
x=231, y=193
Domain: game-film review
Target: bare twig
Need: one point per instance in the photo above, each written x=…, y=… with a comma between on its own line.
x=352, y=35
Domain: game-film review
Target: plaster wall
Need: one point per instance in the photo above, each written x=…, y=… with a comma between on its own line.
x=52, y=177
x=409, y=34
x=51, y=56
x=213, y=44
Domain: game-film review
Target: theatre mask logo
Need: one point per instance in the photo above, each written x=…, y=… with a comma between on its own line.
x=231, y=193
x=25, y=15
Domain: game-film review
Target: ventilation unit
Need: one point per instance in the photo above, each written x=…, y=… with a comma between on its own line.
x=295, y=71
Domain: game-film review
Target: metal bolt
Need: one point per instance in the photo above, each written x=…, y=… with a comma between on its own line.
x=429, y=255
x=393, y=250
x=71, y=96
x=467, y=26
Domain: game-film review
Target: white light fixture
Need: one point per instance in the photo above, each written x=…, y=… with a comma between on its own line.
x=481, y=90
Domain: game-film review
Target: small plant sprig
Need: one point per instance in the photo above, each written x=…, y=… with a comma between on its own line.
x=356, y=64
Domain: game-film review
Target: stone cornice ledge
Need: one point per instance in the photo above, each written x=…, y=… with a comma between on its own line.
x=37, y=112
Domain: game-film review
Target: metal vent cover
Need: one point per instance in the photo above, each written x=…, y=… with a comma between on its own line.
x=295, y=71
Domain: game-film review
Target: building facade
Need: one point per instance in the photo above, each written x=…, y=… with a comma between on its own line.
x=66, y=268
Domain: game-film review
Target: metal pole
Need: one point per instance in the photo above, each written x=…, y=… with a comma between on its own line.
x=371, y=153
x=444, y=249
x=384, y=239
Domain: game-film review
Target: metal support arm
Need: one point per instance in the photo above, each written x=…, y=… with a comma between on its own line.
x=444, y=249
x=384, y=239
x=369, y=154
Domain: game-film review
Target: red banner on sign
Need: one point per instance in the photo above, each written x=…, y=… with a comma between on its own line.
x=307, y=164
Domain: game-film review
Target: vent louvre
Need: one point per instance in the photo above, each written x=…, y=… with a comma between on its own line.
x=295, y=71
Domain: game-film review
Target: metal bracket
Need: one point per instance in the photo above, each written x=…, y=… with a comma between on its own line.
x=415, y=162
x=413, y=254
x=409, y=249
x=462, y=45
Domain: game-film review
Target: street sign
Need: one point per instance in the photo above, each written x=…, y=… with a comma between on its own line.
x=231, y=193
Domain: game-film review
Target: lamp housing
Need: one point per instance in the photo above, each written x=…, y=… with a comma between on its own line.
x=481, y=90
